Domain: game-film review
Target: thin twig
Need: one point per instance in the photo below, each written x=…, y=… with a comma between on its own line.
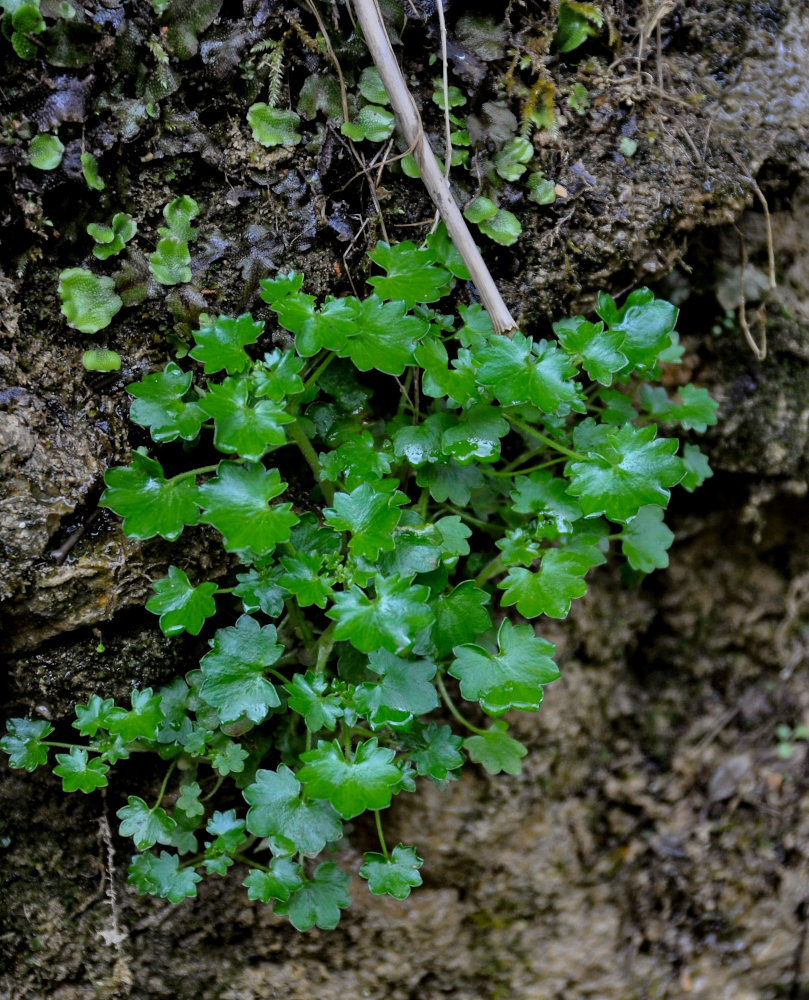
x=346, y=117
x=376, y=38
x=442, y=28
x=348, y=250
x=383, y=162
x=332, y=56
x=770, y=242
x=375, y=199
x=767, y=219
x=690, y=142
x=759, y=351
x=659, y=40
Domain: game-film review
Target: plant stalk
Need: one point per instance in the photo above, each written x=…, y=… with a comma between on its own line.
x=376, y=38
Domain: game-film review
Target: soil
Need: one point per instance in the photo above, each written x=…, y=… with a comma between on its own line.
x=654, y=845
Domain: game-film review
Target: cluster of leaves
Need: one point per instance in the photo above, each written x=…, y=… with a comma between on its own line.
x=371, y=120
x=492, y=141
x=90, y=301
x=452, y=475
x=21, y=20
x=577, y=21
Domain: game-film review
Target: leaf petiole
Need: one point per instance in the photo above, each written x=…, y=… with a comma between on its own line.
x=250, y=862
x=382, y=843
x=298, y=436
x=324, y=648
x=516, y=422
x=324, y=364
x=466, y=516
x=299, y=622
x=489, y=570
x=201, y=471
x=164, y=786
x=442, y=690
x=510, y=471
x=421, y=506
x=68, y=746
x=215, y=788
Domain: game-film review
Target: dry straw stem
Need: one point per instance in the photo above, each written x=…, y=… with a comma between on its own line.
x=376, y=38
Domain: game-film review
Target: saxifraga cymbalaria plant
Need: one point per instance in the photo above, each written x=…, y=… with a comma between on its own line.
x=403, y=495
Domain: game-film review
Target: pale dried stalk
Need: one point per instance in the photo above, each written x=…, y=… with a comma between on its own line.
x=404, y=107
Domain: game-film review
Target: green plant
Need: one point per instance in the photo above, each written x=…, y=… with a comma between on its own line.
x=496, y=223
x=170, y=262
x=578, y=99
x=373, y=121
x=787, y=737
x=89, y=167
x=45, y=151
x=451, y=476
x=112, y=239
x=273, y=126
x=540, y=189
x=577, y=21
x=89, y=301
x=21, y=20
x=101, y=360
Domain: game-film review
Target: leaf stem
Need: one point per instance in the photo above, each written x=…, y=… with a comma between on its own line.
x=324, y=364
x=404, y=392
x=299, y=621
x=220, y=779
x=442, y=690
x=203, y=470
x=545, y=439
x=510, y=471
x=489, y=570
x=382, y=843
x=324, y=647
x=164, y=786
x=249, y=862
x=298, y=436
x=466, y=516
x=421, y=506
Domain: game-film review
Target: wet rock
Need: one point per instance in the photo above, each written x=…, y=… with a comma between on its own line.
x=729, y=778
x=49, y=464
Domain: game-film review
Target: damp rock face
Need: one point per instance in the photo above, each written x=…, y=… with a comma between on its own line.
x=51, y=461
x=652, y=844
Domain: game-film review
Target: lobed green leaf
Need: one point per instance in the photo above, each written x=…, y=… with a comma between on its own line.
x=394, y=876
x=236, y=501
x=149, y=503
x=234, y=682
x=181, y=607
x=513, y=677
x=365, y=781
